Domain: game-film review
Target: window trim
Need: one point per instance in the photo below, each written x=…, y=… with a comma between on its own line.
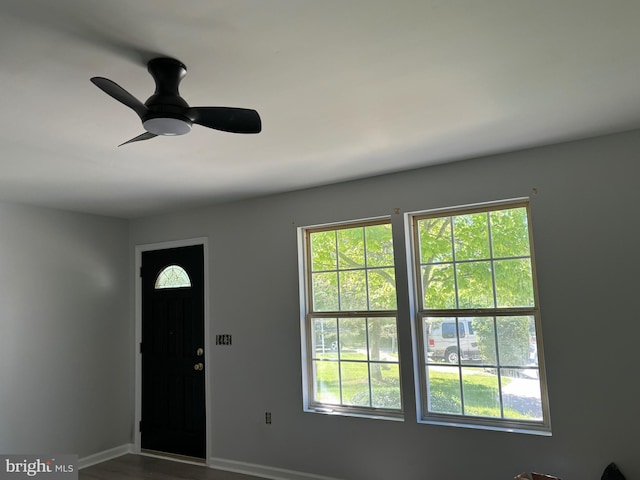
x=307, y=315
x=417, y=312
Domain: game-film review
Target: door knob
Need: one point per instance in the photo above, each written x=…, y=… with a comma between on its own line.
x=198, y=366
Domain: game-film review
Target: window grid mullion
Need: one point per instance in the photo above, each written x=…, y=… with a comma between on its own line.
x=455, y=264
x=460, y=381
x=366, y=266
x=474, y=260
x=368, y=347
x=339, y=360
x=495, y=322
x=498, y=366
x=338, y=271
x=481, y=312
x=493, y=265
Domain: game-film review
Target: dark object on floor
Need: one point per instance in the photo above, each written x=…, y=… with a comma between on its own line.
x=612, y=473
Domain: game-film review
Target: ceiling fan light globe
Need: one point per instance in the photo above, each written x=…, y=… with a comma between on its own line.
x=167, y=126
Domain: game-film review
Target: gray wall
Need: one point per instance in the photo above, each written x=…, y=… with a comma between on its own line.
x=66, y=337
x=65, y=381
x=585, y=222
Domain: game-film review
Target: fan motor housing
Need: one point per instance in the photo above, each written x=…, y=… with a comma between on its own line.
x=167, y=74
x=166, y=106
x=167, y=124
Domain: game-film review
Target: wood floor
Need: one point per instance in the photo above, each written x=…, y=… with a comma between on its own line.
x=140, y=467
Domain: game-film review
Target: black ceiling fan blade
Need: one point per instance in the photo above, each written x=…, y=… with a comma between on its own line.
x=116, y=91
x=139, y=138
x=227, y=119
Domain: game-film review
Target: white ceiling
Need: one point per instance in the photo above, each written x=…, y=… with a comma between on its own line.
x=345, y=88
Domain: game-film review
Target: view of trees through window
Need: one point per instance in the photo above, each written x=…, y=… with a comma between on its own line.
x=477, y=315
x=352, y=320
x=477, y=324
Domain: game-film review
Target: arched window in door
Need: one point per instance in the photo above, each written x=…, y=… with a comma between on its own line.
x=173, y=276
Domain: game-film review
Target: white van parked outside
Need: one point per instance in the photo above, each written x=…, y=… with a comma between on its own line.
x=443, y=343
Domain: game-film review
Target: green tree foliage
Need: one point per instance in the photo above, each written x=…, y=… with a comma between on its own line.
x=436, y=255
x=508, y=329
x=484, y=328
x=481, y=260
x=463, y=256
x=471, y=237
x=512, y=333
x=352, y=269
x=510, y=233
x=323, y=251
x=470, y=261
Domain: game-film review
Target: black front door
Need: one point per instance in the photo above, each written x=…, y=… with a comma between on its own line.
x=173, y=386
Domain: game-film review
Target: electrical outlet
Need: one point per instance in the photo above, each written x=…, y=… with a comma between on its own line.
x=267, y=418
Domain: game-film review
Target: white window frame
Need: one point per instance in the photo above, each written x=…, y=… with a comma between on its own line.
x=307, y=315
x=417, y=312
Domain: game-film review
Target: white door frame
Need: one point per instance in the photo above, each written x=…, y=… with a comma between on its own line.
x=138, y=335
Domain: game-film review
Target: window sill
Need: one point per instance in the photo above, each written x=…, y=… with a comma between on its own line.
x=539, y=430
x=370, y=414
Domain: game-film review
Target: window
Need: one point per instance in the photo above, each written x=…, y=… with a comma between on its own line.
x=173, y=276
x=475, y=308
x=350, y=315
x=477, y=317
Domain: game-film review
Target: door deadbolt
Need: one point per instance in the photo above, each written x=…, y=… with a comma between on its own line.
x=200, y=352
x=198, y=366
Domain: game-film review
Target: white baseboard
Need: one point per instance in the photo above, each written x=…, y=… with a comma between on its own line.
x=105, y=455
x=263, y=471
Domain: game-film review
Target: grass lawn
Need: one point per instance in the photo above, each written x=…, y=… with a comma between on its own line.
x=480, y=388
x=385, y=383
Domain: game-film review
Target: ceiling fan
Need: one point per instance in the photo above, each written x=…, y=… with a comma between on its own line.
x=167, y=113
